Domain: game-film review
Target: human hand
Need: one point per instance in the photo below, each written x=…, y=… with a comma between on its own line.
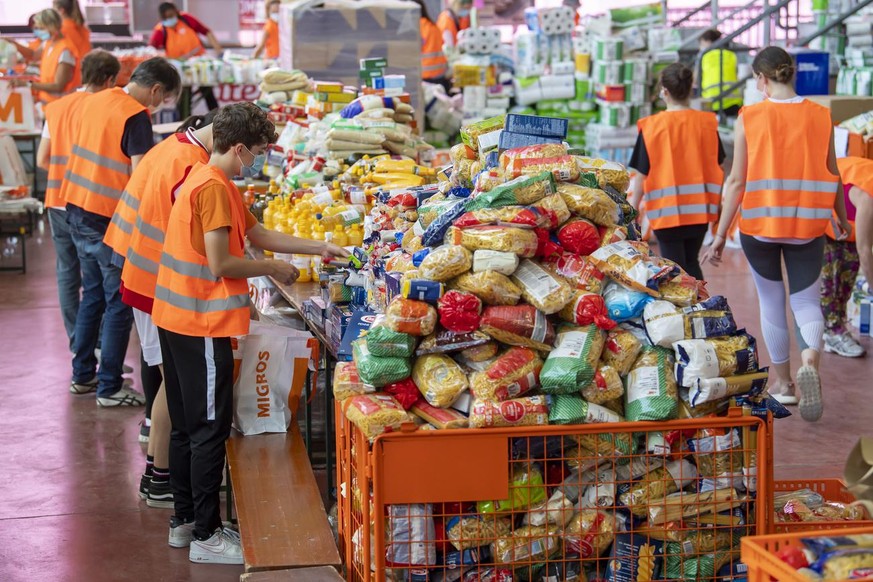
x=284, y=273
x=15, y=82
x=712, y=254
x=844, y=230
x=332, y=251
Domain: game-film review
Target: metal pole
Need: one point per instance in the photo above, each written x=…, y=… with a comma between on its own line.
x=768, y=24
x=714, y=9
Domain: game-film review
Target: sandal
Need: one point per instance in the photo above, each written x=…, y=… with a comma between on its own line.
x=786, y=398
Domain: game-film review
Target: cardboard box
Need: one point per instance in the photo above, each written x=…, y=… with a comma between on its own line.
x=360, y=322
x=843, y=107
x=534, y=125
x=511, y=140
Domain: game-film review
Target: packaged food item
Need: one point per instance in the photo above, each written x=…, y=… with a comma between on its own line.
x=473, y=531
x=439, y=378
x=682, y=290
x=526, y=545
x=621, y=350
x=377, y=371
x=498, y=261
x=409, y=316
x=520, y=241
x=681, y=505
x=525, y=411
x=346, y=381
x=586, y=308
x=471, y=133
x=431, y=208
x=460, y=312
x=651, y=392
x=635, y=558
x=399, y=263
x=527, y=488
x=523, y=190
x=374, y=414
x=518, y=325
x=537, y=151
x=489, y=286
x=572, y=409
x=579, y=236
x=554, y=209
x=572, y=362
x=436, y=231
x=384, y=342
x=666, y=324
x=420, y=289
x=519, y=216
x=719, y=460
x=606, y=444
x=443, y=341
x=410, y=242
x=658, y=484
x=608, y=173
x=589, y=533
x=405, y=392
x=578, y=270
x=626, y=264
x=411, y=536
x=622, y=303
x=591, y=203
x=512, y=374
x=542, y=289
x=605, y=387
x=563, y=168
x=446, y=262
x=710, y=358
x=612, y=234
x=441, y=418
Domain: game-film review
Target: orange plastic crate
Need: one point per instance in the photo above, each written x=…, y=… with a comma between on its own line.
x=759, y=554
x=831, y=490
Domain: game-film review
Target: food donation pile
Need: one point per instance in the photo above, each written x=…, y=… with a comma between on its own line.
x=516, y=292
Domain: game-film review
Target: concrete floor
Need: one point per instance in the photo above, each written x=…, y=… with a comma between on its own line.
x=69, y=471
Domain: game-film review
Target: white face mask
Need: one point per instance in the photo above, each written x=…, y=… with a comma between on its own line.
x=274, y=16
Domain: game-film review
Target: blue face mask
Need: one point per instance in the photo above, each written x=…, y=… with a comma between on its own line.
x=170, y=22
x=42, y=34
x=463, y=13
x=259, y=162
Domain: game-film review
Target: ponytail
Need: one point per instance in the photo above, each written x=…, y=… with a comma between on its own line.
x=71, y=10
x=196, y=122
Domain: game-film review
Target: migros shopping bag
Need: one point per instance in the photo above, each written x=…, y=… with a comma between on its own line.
x=273, y=362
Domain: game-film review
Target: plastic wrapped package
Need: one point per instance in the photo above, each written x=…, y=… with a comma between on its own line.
x=622, y=303
x=707, y=390
x=416, y=318
x=479, y=354
x=586, y=308
x=625, y=263
x=525, y=411
x=374, y=414
x=667, y=324
x=443, y=341
x=461, y=151
x=562, y=168
x=526, y=489
x=405, y=392
x=650, y=391
x=571, y=364
x=518, y=216
x=528, y=544
x=591, y=203
x=440, y=379
x=399, y=263
x=537, y=151
x=411, y=243
x=841, y=557
x=518, y=325
x=489, y=286
x=520, y=241
x=554, y=209
x=621, y=350
x=446, y=262
x=459, y=311
x=383, y=341
x=347, y=383
x=719, y=459
x=489, y=180
x=411, y=287
x=579, y=236
x=605, y=444
x=432, y=208
x=578, y=270
x=377, y=371
x=572, y=409
x=524, y=190
x=473, y=531
x=411, y=536
x=612, y=234
x=589, y=533
x=441, y=418
x=608, y=173
x=542, y=289
x=471, y=132
x=512, y=374
x=605, y=387
x=436, y=230
x=498, y=261
x=682, y=290
x=714, y=357
x=658, y=484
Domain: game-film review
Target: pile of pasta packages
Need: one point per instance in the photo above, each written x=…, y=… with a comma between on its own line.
x=834, y=557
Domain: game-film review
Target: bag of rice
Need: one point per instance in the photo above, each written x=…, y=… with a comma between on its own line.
x=520, y=241
x=579, y=271
x=591, y=203
x=497, y=261
x=514, y=373
x=605, y=387
x=714, y=389
x=622, y=303
x=440, y=379
x=377, y=371
x=554, y=209
x=384, y=342
x=650, y=391
x=346, y=381
x=571, y=409
x=474, y=531
x=711, y=358
x=489, y=286
x=523, y=190
x=586, y=308
x=518, y=325
x=667, y=324
x=571, y=364
x=579, y=236
x=621, y=350
x=409, y=316
x=525, y=411
x=446, y=262
x=443, y=341
x=374, y=414
x=589, y=533
x=625, y=263
x=545, y=291
x=658, y=484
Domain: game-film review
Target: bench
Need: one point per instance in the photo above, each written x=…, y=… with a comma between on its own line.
x=282, y=521
x=320, y=574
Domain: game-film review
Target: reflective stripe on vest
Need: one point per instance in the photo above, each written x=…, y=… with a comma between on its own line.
x=94, y=187
x=101, y=160
x=188, y=269
x=787, y=212
x=685, y=209
x=202, y=305
x=122, y=224
x=149, y=231
x=684, y=190
x=140, y=262
x=59, y=160
x=775, y=184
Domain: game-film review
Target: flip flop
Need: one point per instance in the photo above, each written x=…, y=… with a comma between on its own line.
x=809, y=384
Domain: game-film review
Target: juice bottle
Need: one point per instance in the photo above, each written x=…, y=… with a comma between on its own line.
x=339, y=236
x=317, y=234
x=249, y=196
x=356, y=236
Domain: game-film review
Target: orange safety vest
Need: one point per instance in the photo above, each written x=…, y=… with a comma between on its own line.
x=180, y=40
x=163, y=168
x=189, y=299
x=99, y=170
x=48, y=66
x=60, y=116
x=789, y=189
x=271, y=32
x=80, y=37
x=684, y=181
x=857, y=172
x=434, y=64
x=448, y=22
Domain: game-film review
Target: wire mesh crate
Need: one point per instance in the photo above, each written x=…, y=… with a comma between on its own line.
x=617, y=502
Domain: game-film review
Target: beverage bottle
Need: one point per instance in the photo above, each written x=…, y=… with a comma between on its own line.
x=356, y=236
x=249, y=196
x=339, y=236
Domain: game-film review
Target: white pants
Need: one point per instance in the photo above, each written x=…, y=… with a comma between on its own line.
x=148, y=337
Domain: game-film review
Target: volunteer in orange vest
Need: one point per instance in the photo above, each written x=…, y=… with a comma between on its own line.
x=201, y=301
x=151, y=191
x=678, y=157
x=177, y=35
x=269, y=45
x=788, y=194
x=99, y=69
x=453, y=20
x=30, y=52
x=434, y=65
x=57, y=58
x=843, y=258
x=113, y=134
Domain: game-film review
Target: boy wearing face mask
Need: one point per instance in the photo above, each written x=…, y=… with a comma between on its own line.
x=201, y=301
x=269, y=45
x=112, y=133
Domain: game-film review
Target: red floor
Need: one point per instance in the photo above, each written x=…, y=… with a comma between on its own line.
x=69, y=471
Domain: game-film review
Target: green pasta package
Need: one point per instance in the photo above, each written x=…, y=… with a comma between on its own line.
x=377, y=371
x=382, y=341
x=522, y=190
x=650, y=391
x=571, y=365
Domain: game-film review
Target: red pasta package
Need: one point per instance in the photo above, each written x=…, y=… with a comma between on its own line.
x=518, y=325
x=405, y=392
x=579, y=271
x=512, y=374
x=586, y=308
x=612, y=234
x=460, y=311
x=579, y=236
x=520, y=216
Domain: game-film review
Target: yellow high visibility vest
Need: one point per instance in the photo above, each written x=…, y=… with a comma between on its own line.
x=718, y=72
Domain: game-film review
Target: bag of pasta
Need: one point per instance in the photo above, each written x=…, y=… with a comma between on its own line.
x=518, y=325
x=586, y=308
x=625, y=263
x=518, y=216
x=682, y=290
x=571, y=364
x=377, y=371
x=514, y=373
x=537, y=151
x=554, y=210
x=374, y=414
x=436, y=231
x=667, y=324
x=650, y=391
x=383, y=341
x=622, y=303
x=608, y=173
x=520, y=241
x=621, y=350
x=579, y=271
x=411, y=243
x=542, y=289
x=440, y=379
x=489, y=286
x=589, y=533
x=579, y=236
x=606, y=444
x=399, y=263
x=443, y=341
x=612, y=234
x=527, y=488
x=591, y=203
x=658, y=484
x=524, y=190
x=474, y=531
x=524, y=411
x=715, y=357
x=572, y=409
x=446, y=262
x=416, y=318
x=346, y=382
x=563, y=168
x=527, y=544
x=605, y=387
x=719, y=459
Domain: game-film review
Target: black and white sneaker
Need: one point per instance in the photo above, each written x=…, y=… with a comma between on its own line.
x=144, y=430
x=124, y=397
x=160, y=495
x=144, y=483
x=84, y=387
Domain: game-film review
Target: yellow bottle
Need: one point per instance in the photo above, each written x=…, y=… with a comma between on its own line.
x=340, y=237
x=269, y=211
x=274, y=188
x=356, y=236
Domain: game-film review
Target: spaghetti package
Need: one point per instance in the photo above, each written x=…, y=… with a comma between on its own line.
x=383, y=341
x=715, y=389
x=542, y=289
x=446, y=262
x=651, y=392
x=586, y=308
x=667, y=324
x=489, y=286
x=520, y=216
x=605, y=387
x=658, y=484
x=571, y=364
x=572, y=409
x=459, y=311
x=523, y=190
x=518, y=325
x=346, y=382
x=374, y=414
x=711, y=358
x=525, y=411
x=625, y=263
x=579, y=236
x=442, y=418
x=510, y=375
x=520, y=241
x=621, y=350
x=377, y=371
x=440, y=379
x=409, y=316
x=578, y=270
x=591, y=203
x=554, y=210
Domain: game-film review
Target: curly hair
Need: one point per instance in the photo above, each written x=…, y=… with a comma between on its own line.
x=244, y=123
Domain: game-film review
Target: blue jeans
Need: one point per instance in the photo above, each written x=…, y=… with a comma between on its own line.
x=67, y=269
x=101, y=298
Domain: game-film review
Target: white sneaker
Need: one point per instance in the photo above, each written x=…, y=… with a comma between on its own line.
x=222, y=548
x=181, y=533
x=843, y=345
x=84, y=387
x=124, y=397
x=809, y=383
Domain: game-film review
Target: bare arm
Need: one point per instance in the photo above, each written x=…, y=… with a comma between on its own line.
x=731, y=194
x=224, y=264
x=134, y=162
x=259, y=50
x=25, y=51
x=282, y=243
x=43, y=154
x=63, y=76
x=637, y=190
x=840, y=199
x=214, y=42
x=863, y=229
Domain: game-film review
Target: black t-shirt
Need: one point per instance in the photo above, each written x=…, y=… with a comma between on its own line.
x=137, y=138
x=639, y=160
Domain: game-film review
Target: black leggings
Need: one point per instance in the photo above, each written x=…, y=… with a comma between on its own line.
x=681, y=244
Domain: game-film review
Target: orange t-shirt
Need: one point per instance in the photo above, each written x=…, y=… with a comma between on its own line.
x=271, y=31
x=212, y=211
